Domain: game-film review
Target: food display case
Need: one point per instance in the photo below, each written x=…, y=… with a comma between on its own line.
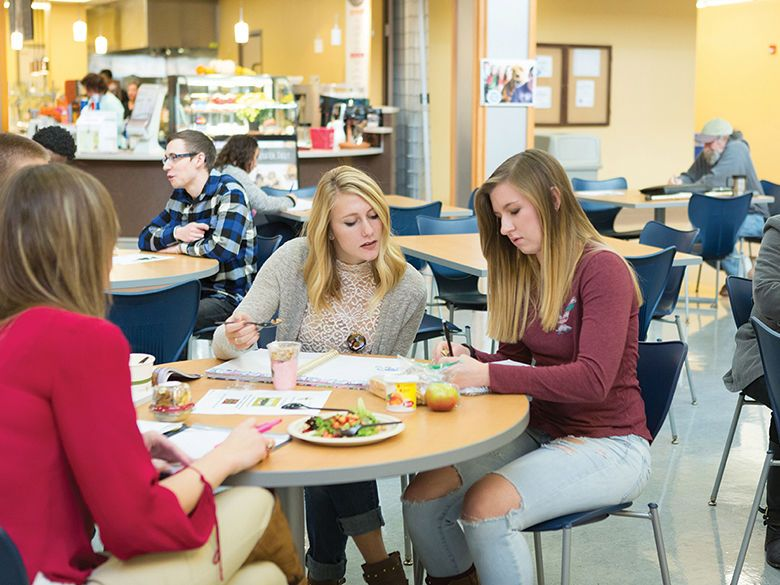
x=225, y=105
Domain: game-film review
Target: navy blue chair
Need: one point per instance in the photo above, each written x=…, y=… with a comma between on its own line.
x=432, y=328
x=471, y=199
x=661, y=236
x=602, y=215
x=404, y=223
x=264, y=247
x=459, y=291
x=658, y=371
x=772, y=189
x=302, y=192
x=769, y=346
x=719, y=219
x=158, y=322
x=652, y=271
x=12, y=571
x=741, y=299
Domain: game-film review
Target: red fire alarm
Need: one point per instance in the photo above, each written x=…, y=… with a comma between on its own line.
x=772, y=49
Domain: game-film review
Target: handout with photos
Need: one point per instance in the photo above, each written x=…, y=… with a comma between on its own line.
x=259, y=402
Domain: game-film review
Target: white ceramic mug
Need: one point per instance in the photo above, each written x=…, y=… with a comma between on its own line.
x=141, y=368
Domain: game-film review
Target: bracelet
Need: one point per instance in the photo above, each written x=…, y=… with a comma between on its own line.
x=217, y=558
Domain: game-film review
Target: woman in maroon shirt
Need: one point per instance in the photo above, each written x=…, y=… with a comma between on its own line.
x=72, y=454
x=562, y=301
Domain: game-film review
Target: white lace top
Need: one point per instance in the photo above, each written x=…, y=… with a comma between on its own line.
x=330, y=328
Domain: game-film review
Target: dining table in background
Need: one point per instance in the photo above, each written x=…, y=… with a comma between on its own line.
x=150, y=270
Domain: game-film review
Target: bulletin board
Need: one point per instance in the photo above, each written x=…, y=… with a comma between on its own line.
x=575, y=82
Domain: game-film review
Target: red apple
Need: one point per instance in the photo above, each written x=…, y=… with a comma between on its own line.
x=441, y=396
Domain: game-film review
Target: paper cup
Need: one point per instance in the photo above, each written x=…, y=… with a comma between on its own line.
x=284, y=363
x=141, y=368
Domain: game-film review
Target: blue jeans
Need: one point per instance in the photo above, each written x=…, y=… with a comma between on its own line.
x=334, y=512
x=553, y=478
x=752, y=227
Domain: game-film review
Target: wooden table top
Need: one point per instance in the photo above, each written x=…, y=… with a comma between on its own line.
x=430, y=440
x=463, y=251
x=632, y=198
x=172, y=269
x=394, y=201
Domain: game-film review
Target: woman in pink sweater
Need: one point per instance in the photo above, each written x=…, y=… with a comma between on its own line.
x=72, y=455
x=563, y=302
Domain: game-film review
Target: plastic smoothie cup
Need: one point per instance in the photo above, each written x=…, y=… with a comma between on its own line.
x=284, y=363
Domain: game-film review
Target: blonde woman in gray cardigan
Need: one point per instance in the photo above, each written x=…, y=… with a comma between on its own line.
x=344, y=282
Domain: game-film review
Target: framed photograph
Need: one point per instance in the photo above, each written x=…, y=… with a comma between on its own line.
x=507, y=82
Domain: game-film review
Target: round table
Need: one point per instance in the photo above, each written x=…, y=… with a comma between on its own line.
x=169, y=270
x=479, y=425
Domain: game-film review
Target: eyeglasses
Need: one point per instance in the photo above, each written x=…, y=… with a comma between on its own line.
x=356, y=342
x=174, y=157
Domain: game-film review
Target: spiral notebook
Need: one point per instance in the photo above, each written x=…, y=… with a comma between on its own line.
x=342, y=371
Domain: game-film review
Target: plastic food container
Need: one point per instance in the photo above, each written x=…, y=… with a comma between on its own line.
x=171, y=401
x=400, y=391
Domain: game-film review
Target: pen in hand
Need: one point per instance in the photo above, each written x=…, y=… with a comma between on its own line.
x=448, y=336
x=267, y=426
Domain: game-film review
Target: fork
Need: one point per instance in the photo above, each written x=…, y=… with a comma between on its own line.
x=353, y=431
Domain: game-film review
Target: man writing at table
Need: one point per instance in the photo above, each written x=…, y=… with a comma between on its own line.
x=206, y=216
x=726, y=154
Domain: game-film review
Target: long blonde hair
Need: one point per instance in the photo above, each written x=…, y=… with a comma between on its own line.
x=58, y=228
x=520, y=287
x=319, y=270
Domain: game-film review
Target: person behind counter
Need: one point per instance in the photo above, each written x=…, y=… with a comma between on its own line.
x=18, y=152
x=102, y=99
x=345, y=286
x=558, y=297
x=73, y=456
x=207, y=216
x=58, y=141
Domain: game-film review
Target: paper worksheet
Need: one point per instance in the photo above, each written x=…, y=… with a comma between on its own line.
x=126, y=259
x=302, y=205
x=260, y=402
x=198, y=440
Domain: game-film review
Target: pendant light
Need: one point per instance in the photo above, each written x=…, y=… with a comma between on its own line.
x=101, y=45
x=241, y=29
x=335, y=33
x=80, y=31
x=17, y=40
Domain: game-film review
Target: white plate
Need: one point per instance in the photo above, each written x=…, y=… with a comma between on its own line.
x=295, y=429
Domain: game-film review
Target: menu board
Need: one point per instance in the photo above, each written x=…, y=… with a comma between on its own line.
x=277, y=163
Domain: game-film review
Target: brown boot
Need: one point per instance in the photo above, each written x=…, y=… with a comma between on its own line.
x=387, y=572
x=326, y=582
x=467, y=577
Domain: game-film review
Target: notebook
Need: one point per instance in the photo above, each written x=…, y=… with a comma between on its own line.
x=673, y=189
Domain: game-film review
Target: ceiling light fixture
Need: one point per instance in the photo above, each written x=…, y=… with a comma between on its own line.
x=241, y=29
x=17, y=40
x=101, y=45
x=335, y=33
x=39, y=5
x=80, y=31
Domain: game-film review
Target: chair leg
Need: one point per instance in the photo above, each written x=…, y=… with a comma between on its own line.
x=751, y=519
x=687, y=297
x=539, y=559
x=726, y=450
x=717, y=283
x=566, y=557
x=673, y=427
x=408, y=557
x=425, y=350
x=492, y=346
x=467, y=329
x=698, y=280
x=684, y=339
x=659, y=544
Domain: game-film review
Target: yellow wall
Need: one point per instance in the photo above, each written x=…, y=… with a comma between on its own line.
x=441, y=22
x=650, y=136
x=67, y=58
x=737, y=78
x=289, y=29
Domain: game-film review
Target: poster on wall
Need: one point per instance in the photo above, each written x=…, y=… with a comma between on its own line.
x=277, y=164
x=358, y=44
x=507, y=82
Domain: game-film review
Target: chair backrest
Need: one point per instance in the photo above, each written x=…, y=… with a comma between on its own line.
x=404, y=223
x=303, y=192
x=265, y=246
x=662, y=236
x=719, y=219
x=658, y=371
x=772, y=189
x=741, y=298
x=429, y=226
x=601, y=215
x=158, y=322
x=616, y=183
x=12, y=571
x=652, y=271
x=769, y=348
x=471, y=198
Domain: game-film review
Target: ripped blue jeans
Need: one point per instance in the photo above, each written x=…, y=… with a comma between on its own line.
x=553, y=478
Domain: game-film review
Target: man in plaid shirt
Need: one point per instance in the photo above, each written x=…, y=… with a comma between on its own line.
x=207, y=215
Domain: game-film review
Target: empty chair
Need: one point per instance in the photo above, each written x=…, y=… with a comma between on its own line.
x=12, y=571
x=741, y=298
x=652, y=271
x=658, y=371
x=459, y=291
x=769, y=347
x=158, y=322
x=772, y=189
x=661, y=236
x=718, y=220
x=264, y=247
x=302, y=192
x=404, y=223
x=602, y=215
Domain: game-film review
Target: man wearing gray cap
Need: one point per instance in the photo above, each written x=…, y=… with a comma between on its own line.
x=726, y=154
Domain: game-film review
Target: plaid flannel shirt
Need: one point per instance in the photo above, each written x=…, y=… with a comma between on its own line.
x=230, y=239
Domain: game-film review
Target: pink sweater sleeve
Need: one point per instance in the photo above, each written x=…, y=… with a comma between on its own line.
x=606, y=294
x=96, y=424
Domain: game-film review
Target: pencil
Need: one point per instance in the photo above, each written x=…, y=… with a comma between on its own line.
x=447, y=336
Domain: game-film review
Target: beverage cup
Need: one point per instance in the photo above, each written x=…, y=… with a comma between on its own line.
x=141, y=368
x=284, y=363
x=738, y=185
